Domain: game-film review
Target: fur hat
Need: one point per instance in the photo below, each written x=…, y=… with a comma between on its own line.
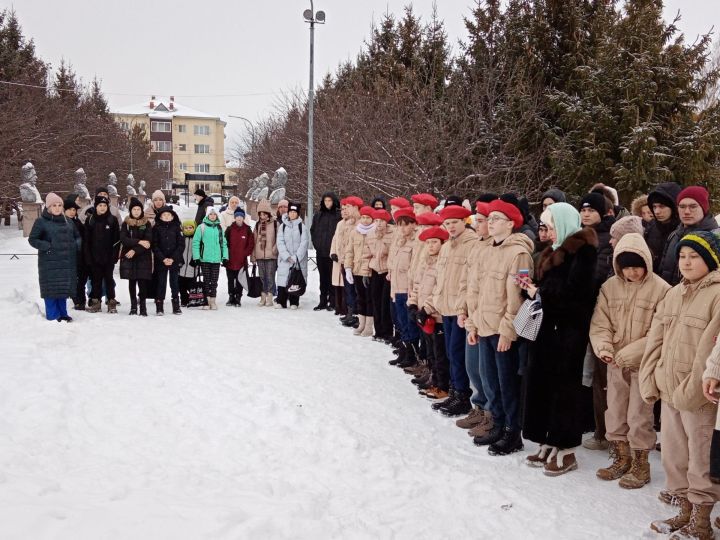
x=434, y=232
x=705, y=243
x=381, y=214
x=454, y=212
x=594, y=200
x=429, y=218
x=425, y=199
x=400, y=202
x=53, y=198
x=626, y=225
x=637, y=205
x=510, y=210
x=698, y=194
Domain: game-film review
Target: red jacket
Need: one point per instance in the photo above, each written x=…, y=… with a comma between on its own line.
x=241, y=243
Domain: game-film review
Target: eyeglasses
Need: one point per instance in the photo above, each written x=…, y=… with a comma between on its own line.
x=493, y=219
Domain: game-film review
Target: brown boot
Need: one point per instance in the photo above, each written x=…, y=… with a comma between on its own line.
x=475, y=417
x=620, y=454
x=563, y=462
x=699, y=527
x=538, y=459
x=670, y=498
x=484, y=427
x=666, y=526
x=639, y=473
x=436, y=393
x=94, y=306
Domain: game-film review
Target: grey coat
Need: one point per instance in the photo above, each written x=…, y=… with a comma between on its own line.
x=291, y=242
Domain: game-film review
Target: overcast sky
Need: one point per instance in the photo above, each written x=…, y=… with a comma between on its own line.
x=230, y=58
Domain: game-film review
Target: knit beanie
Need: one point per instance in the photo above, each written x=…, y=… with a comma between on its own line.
x=101, y=199
x=186, y=224
x=554, y=194
x=594, y=200
x=294, y=207
x=53, y=198
x=565, y=221
x=134, y=202
x=101, y=189
x=629, y=259
x=200, y=192
x=487, y=197
x=69, y=202
x=157, y=194
x=704, y=243
x=453, y=200
x=209, y=210
x=698, y=194
x=626, y=225
x=239, y=212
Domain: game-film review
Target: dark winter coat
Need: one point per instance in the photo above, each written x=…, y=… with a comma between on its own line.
x=202, y=209
x=604, y=267
x=657, y=233
x=140, y=265
x=324, y=224
x=101, y=243
x=566, y=285
x=168, y=241
x=58, y=243
x=240, y=242
x=80, y=227
x=669, y=269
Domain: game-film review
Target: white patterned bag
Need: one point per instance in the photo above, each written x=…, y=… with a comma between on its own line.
x=529, y=318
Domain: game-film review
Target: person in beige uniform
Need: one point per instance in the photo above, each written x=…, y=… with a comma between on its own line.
x=380, y=239
x=357, y=270
x=618, y=335
x=680, y=341
x=349, y=211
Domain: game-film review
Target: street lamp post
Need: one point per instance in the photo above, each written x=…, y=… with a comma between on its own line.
x=312, y=17
x=249, y=123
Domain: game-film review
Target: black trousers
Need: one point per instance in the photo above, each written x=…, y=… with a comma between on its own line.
x=380, y=295
x=234, y=286
x=184, y=284
x=327, y=296
x=440, y=365
x=363, y=302
x=98, y=274
x=83, y=275
x=283, y=297
x=141, y=285
x=211, y=275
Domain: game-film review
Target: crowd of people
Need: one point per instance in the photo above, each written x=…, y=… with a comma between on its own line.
x=627, y=305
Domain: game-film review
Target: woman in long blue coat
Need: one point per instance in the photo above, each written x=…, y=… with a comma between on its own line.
x=58, y=241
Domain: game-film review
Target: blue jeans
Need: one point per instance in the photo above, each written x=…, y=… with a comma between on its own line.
x=455, y=349
x=349, y=294
x=409, y=331
x=472, y=367
x=501, y=381
x=55, y=308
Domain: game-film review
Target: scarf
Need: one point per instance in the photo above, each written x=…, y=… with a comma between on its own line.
x=364, y=229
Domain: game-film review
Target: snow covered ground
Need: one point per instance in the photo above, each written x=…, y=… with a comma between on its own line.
x=253, y=423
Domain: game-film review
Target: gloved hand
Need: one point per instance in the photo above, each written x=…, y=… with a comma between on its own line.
x=412, y=312
x=422, y=317
x=334, y=258
x=193, y=263
x=224, y=263
x=366, y=282
x=349, y=276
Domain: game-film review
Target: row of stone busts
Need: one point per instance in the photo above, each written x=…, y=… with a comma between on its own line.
x=259, y=187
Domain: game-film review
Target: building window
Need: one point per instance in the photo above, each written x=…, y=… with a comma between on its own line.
x=201, y=130
x=124, y=126
x=164, y=127
x=202, y=167
x=167, y=184
x=182, y=148
x=182, y=167
x=202, y=148
x=160, y=146
x=163, y=164
x=182, y=128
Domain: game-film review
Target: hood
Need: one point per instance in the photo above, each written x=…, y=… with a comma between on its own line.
x=521, y=240
x=132, y=222
x=712, y=278
x=381, y=199
x=264, y=206
x=160, y=211
x=605, y=224
x=335, y=206
x=665, y=193
x=707, y=223
x=633, y=243
x=555, y=194
x=206, y=221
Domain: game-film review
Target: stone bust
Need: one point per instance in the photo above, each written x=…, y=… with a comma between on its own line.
x=141, y=189
x=131, y=186
x=261, y=184
x=279, y=179
x=81, y=184
x=28, y=191
x=112, y=185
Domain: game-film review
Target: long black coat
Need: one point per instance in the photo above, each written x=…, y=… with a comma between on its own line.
x=604, y=268
x=131, y=233
x=566, y=284
x=58, y=242
x=101, y=243
x=669, y=269
x=202, y=209
x=168, y=242
x=324, y=224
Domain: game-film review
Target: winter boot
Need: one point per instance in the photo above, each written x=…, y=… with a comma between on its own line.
x=699, y=527
x=540, y=457
x=436, y=393
x=112, y=306
x=212, y=302
x=476, y=416
x=562, y=462
x=401, y=355
x=591, y=443
x=482, y=429
x=369, y=328
x=94, y=306
x=176, y=306
x=346, y=319
x=422, y=378
x=451, y=397
x=143, y=308
x=133, y=306
x=510, y=442
x=639, y=473
x=666, y=526
x=238, y=300
x=670, y=498
x=461, y=406
x=159, y=309
x=411, y=359
x=322, y=304
x=79, y=306
x=231, y=301
x=361, y=326
x=620, y=454
x=491, y=437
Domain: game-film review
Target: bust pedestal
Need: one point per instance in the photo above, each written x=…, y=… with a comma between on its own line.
x=114, y=200
x=141, y=198
x=30, y=212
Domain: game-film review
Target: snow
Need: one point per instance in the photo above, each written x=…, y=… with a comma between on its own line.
x=179, y=110
x=253, y=423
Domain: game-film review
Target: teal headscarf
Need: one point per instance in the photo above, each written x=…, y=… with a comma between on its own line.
x=566, y=221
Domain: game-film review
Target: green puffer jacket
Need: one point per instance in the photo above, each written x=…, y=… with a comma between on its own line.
x=209, y=244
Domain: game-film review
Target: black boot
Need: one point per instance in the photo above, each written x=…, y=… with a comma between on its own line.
x=448, y=400
x=322, y=304
x=231, y=301
x=143, y=308
x=460, y=406
x=238, y=298
x=401, y=355
x=133, y=305
x=159, y=307
x=176, y=306
x=412, y=356
x=491, y=437
x=348, y=315
x=510, y=442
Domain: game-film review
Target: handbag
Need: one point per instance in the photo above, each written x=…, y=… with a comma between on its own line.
x=254, y=287
x=296, y=284
x=196, y=295
x=529, y=319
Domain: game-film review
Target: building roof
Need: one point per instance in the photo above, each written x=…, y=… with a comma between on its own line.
x=162, y=110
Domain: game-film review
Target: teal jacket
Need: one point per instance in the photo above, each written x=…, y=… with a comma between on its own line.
x=210, y=242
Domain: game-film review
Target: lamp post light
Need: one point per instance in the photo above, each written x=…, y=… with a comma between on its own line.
x=312, y=17
x=249, y=123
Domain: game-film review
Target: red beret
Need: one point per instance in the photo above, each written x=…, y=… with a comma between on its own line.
x=366, y=211
x=404, y=212
x=510, y=210
x=434, y=232
x=482, y=208
x=429, y=218
x=698, y=194
x=352, y=201
x=426, y=199
x=400, y=202
x=381, y=214
x=454, y=212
